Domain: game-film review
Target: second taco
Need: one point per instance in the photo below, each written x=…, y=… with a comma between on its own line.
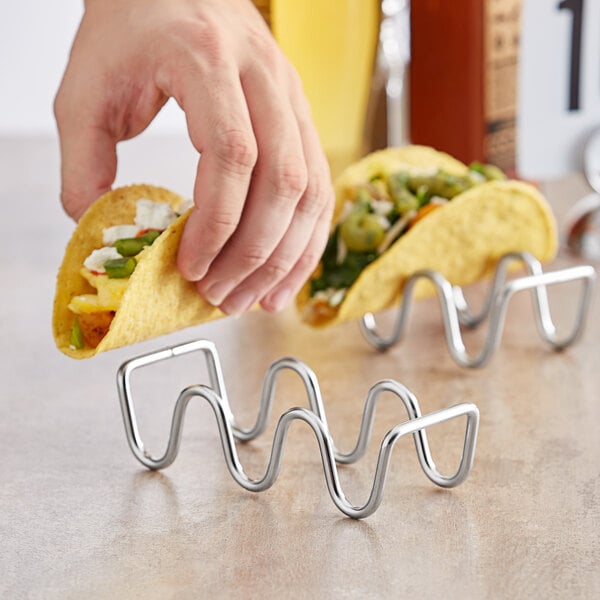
x=403, y=210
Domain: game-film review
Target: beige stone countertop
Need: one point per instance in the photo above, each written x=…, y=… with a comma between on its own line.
x=81, y=518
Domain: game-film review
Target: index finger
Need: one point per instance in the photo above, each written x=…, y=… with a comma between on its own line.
x=220, y=129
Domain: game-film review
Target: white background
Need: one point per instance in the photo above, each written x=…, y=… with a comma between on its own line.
x=35, y=39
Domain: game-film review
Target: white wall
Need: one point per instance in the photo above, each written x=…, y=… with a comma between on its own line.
x=35, y=38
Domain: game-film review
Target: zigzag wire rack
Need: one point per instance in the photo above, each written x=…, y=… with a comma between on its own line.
x=456, y=310
x=216, y=396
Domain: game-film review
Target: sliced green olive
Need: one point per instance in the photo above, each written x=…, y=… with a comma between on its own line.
x=362, y=232
x=119, y=268
x=76, y=338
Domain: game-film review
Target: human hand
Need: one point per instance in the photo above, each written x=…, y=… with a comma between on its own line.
x=263, y=197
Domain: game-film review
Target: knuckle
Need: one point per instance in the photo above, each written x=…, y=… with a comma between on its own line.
x=308, y=261
x=288, y=180
x=237, y=150
x=220, y=224
x=277, y=268
x=222, y=220
x=263, y=47
x=253, y=257
x=266, y=54
x=200, y=38
x=318, y=197
x=213, y=46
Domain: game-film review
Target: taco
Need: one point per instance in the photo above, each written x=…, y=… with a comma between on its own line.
x=401, y=210
x=118, y=283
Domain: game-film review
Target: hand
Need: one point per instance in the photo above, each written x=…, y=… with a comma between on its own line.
x=263, y=197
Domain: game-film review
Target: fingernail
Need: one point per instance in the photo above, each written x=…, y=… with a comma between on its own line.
x=195, y=271
x=217, y=292
x=279, y=299
x=239, y=302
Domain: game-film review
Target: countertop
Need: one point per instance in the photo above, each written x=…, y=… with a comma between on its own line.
x=81, y=518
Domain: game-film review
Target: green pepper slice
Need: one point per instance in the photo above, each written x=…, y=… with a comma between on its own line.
x=120, y=268
x=76, y=338
x=133, y=246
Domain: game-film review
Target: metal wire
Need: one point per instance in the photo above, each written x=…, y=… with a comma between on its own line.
x=216, y=396
x=456, y=311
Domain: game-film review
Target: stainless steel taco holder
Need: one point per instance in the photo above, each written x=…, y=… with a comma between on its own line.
x=230, y=432
x=456, y=311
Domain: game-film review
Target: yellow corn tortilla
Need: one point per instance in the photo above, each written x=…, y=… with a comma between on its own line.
x=158, y=300
x=463, y=240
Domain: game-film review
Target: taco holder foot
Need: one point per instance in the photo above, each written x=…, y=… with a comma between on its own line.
x=216, y=396
x=456, y=311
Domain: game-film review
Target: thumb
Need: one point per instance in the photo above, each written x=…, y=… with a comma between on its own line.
x=88, y=163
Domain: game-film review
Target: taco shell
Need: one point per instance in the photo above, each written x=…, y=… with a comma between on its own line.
x=463, y=240
x=157, y=300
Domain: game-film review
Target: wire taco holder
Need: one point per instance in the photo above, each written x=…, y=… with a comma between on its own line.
x=215, y=394
x=456, y=311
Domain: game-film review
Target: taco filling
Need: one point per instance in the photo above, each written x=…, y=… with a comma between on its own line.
x=374, y=215
x=108, y=270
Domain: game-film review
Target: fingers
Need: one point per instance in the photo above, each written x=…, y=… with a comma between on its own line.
x=286, y=268
x=284, y=281
x=278, y=182
x=221, y=130
x=319, y=193
x=88, y=157
x=262, y=193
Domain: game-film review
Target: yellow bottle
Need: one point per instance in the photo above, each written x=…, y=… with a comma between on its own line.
x=332, y=44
